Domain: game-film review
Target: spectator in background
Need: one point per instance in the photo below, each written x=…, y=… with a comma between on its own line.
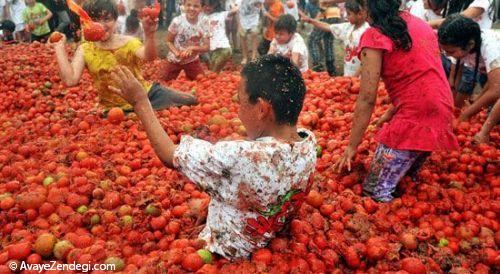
x=7, y=27
x=249, y=17
x=36, y=17
x=15, y=10
x=133, y=26
x=319, y=40
x=122, y=17
x=481, y=11
x=274, y=8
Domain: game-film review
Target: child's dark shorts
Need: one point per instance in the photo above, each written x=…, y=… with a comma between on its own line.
x=467, y=82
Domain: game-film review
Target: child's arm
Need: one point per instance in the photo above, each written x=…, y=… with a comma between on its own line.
x=148, y=51
x=45, y=18
x=296, y=59
x=131, y=90
x=204, y=47
x=320, y=25
x=489, y=97
x=71, y=72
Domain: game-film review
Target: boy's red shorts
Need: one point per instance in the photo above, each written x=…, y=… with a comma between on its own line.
x=172, y=70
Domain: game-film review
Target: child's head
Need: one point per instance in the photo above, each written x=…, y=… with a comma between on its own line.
x=211, y=6
x=8, y=27
x=104, y=12
x=132, y=23
x=192, y=8
x=435, y=5
x=285, y=27
x=271, y=94
x=459, y=36
x=269, y=2
x=355, y=12
x=30, y=3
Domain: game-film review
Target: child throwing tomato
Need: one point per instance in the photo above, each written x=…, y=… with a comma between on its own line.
x=256, y=185
x=101, y=57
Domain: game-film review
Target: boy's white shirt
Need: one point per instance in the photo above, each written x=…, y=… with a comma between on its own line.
x=490, y=52
x=351, y=37
x=243, y=177
x=217, y=30
x=186, y=35
x=295, y=45
x=249, y=14
x=485, y=21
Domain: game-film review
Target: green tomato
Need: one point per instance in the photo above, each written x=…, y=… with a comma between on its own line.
x=205, y=255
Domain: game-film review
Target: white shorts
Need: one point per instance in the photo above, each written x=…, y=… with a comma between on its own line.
x=19, y=27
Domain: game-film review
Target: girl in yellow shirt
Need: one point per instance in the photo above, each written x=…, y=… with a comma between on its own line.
x=102, y=57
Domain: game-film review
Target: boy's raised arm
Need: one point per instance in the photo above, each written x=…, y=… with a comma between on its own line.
x=131, y=90
x=71, y=72
x=148, y=51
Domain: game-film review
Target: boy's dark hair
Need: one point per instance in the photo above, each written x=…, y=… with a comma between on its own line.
x=216, y=4
x=7, y=25
x=277, y=80
x=98, y=9
x=458, y=30
x=353, y=6
x=132, y=22
x=287, y=23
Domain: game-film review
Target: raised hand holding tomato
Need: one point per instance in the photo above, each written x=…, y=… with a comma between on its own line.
x=149, y=25
x=57, y=39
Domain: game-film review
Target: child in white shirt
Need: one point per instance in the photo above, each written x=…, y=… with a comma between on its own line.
x=256, y=185
x=16, y=9
x=287, y=42
x=220, y=48
x=350, y=33
x=249, y=19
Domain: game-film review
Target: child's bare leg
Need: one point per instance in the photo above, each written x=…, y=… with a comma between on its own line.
x=255, y=44
x=244, y=49
x=483, y=136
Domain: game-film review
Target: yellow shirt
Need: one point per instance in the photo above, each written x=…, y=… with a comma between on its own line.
x=100, y=63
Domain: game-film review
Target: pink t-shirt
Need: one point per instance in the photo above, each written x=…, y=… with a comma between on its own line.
x=418, y=88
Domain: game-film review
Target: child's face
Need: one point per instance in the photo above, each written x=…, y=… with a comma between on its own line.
x=283, y=36
x=356, y=18
x=192, y=8
x=454, y=51
x=29, y=2
x=207, y=9
x=252, y=116
x=109, y=24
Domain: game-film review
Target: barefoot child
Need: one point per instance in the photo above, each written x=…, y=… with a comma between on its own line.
x=349, y=32
x=187, y=38
x=249, y=17
x=220, y=48
x=255, y=185
x=289, y=43
x=115, y=49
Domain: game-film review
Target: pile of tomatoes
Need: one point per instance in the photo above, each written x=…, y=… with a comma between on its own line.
x=76, y=187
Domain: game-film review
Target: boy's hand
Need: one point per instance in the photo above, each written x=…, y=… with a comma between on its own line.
x=149, y=25
x=129, y=88
x=304, y=17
